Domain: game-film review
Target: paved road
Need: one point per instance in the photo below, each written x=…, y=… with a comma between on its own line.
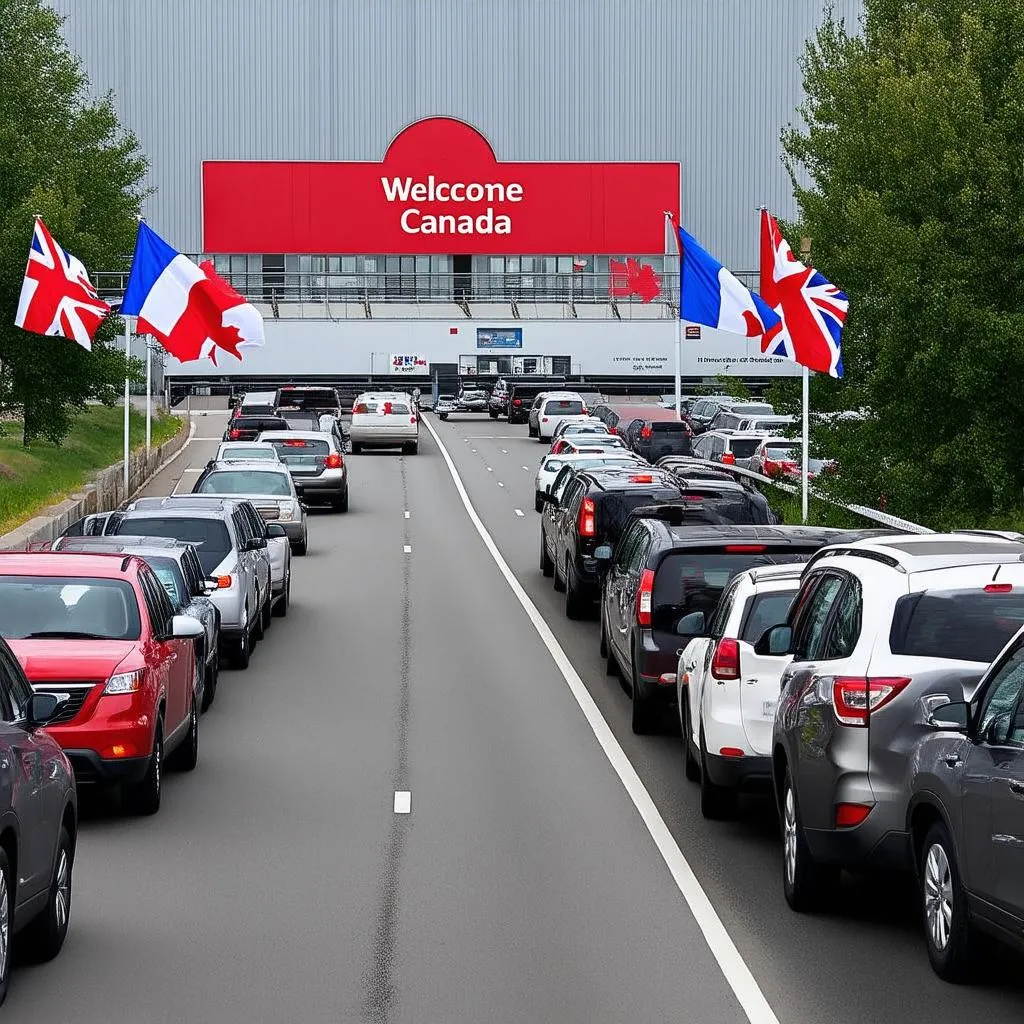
x=277, y=884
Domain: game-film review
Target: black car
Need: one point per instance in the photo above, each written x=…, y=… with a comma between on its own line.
x=591, y=512
x=653, y=439
x=319, y=400
x=700, y=483
x=39, y=821
x=248, y=428
x=663, y=582
x=521, y=399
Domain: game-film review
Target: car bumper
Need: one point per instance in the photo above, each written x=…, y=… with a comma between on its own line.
x=865, y=847
x=383, y=438
x=330, y=482
x=751, y=773
x=91, y=769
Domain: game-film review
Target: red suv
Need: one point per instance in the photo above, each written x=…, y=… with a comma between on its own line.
x=99, y=632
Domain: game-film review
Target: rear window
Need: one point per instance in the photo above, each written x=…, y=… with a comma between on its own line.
x=961, y=625
x=300, y=449
x=693, y=581
x=245, y=481
x=563, y=407
x=313, y=398
x=210, y=536
x=613, y=507
x=241, y=454
x=300, y=420
x=257, y=410
x=754, y=409
x=259, y=423
x=764, y=611
x=782, y=453
x=668, y=427
x=743, y=449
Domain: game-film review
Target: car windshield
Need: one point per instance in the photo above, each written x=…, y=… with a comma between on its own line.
x=210, y=536
x=63, y=607
x=169, y=574
x=961, y=625
x=245, y=481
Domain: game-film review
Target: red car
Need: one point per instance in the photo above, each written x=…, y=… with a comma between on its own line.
x=98, y=630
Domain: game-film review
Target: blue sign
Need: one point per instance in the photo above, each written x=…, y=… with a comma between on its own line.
x=499, y=337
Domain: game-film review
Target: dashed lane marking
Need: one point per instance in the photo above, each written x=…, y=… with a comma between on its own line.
x=489, y=470
x=734, y=968
x=403, y=801
x=407, y=548
x=406, y=515
x=500, y=484
x=518, y=512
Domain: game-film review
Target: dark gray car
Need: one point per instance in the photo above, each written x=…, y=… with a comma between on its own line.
x=38, y=816
x=967, y=814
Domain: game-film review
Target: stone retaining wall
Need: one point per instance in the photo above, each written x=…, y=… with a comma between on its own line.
x=105, y=492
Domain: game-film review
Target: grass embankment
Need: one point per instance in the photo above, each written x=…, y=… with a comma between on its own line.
x=46, y=473
x=819, y=513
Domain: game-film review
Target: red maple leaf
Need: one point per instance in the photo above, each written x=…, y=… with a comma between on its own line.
x=633, y=278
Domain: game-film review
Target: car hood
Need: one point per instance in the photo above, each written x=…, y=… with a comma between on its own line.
x=61, y=660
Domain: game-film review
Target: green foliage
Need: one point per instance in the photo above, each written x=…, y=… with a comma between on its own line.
x=31, y=479
x=62, y=156
x=732, y=386
x=909, y=173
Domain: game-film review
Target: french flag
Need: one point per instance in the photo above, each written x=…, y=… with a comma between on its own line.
x=189, y=309
x=713, y=296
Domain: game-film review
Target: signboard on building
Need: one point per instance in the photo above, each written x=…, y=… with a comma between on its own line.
x=439, y=189
x=408, y=364
x=499, y=337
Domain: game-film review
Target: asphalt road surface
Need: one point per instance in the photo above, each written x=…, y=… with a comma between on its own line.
x=279, y=884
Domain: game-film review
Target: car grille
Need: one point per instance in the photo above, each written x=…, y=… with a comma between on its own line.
x=269, y=512
x=77, y=692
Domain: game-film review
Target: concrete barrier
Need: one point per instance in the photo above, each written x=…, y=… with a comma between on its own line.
x=105, y=492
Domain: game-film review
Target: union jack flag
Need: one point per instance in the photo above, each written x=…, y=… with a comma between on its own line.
x=813, y=310
x=57, y=297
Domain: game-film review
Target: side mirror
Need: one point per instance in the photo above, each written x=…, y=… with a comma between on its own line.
x=693, y=624
x=775, y=641
x=41, y=708
x=947, y=715
x=184, y=627
x=276, y=530
x=603, y=552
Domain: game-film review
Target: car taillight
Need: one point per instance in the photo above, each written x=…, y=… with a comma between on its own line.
x=998, y=588
x=223, y=582
x=587, y=524
x=644, y=598
x=643, y=478
x=745, y=549
x=728, y=459
x=333, y=461
x=517, y=401
x=855, y=699
x=646, y=432
x=558, y=448
x=850, y=815
x=543, y=419
x=613, y=430
x=235, y=434
x=412, y=419
x=725, y=663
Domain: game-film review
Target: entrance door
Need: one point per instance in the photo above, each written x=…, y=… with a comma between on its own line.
x=462, y=271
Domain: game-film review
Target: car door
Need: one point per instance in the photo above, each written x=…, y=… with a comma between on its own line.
x=701, y=655
x=616, y=582
x=566, y=517
x=993, y=794
x=174, y=659
x=247, y=559
x=261, y=554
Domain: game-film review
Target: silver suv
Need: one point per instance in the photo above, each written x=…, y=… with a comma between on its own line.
x=316, y=461
x=876, y=626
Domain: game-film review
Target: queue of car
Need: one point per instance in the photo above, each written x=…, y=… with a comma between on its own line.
x=870, y=683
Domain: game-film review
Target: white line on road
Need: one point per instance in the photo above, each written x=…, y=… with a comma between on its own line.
x=504, y=451
x=473, y=450
x=494, y=437
x=518, y=512
x=219, y=437
x=527, y=468
x=406, y=515
x=194, y=469
x=734, y=968
x=500, y=484
x=489, y=470
x=407, y=548
x=403, y=801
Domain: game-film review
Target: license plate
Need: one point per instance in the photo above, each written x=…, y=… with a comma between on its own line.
x=768, y=708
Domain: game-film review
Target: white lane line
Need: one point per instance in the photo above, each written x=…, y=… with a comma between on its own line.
x=500, y=484
x=406, y=515
x=496, y=437
x=527, y=468
x=407, y=548
x=734, y=968
x=518, y=512
x=403, y=801
x=473, y=450
x=194, y=469
x=219, y=437
x=489, y=470
x=504, y=451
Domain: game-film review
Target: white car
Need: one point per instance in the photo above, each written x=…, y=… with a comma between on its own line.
x=557, y=407
x=551, y=466
x=245, y=451
x=727, y=693
x=384, y=419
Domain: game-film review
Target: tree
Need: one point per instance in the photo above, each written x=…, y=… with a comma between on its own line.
x=909, y=174
x=64, y=156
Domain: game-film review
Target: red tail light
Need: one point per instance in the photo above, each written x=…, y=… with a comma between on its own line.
x=646, y=431
x=333, y=461
x=728, y=459
x=412, y=419
x=725, y=663
x=294, y=444
x=559, y=446
x=612, y=430
x=998, y=588
x=584, y=413
x=732, y=752
x=855, y=699
x=517, y=401
x=791, y=467
x=235, y=434
x=644, y=598
x=360, y=409
x=849, y=815
x=745, y=549
x=644, y=478
x=587, y=524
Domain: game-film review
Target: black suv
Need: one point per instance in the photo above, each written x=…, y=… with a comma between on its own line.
x=653, y=438
x=591, y=512
x=248, y=428
x=700, y=482
x=521, y=398
x=663, y=582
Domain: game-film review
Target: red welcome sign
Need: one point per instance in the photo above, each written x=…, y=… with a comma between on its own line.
x=439, y=189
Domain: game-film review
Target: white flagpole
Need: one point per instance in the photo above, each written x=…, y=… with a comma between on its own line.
x=149, y=396
x=127, y=403
x=679, y=322
x=806, y=439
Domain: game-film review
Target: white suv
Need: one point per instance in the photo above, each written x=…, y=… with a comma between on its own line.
x=728, y=693
x=556, y=408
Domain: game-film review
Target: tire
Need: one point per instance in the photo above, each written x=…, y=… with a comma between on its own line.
x=531, y=432
x=611, y=666
x=441, y=416
x=267, y=615
x=538, y=502
x=692, y=766
x=281, y=608
x=186, y=757
x=143, y=797
x=357, y=447
x=576, y=605
x=300, y=546
x=644, y=714
x=804, y=883
x=717, y=803
x=547, y=567
x=410, y=449
x=492, y=414
x=340, y=504
x=210, y=682
x=6, y=922
x=951, y=954
x=242, y=650
x=558, y=581
x=42, y=938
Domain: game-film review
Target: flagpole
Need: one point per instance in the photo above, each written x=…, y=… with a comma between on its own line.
x=149, y=396
x=679, y=322
x=806, y=438
x=127, y=403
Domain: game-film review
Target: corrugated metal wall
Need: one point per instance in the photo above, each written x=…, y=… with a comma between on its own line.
x=709, y=83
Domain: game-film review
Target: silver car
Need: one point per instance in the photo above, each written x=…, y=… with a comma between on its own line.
x=269, y=487
x=316, y=461
x=384, y=419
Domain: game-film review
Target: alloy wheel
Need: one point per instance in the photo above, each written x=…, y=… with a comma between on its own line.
x=62, y=898
x=5, y=925
x=938, y=896
x=789, y=836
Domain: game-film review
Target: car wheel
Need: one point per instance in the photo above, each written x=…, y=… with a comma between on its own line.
x=538, y=502
x=243, y=647
x=716, y=802
x=804, y=882
x=547, y=567
x=210, y=681
x=692, y=767
x=300, y=546
x=281, y=608
x=576, y=605
x=6, y=923
x=144, y=797
x=492, y=414
x=558, y=581
x=357, y=447
x=947, y=925
x=644, y=714
x=44, y=935
x=530, y=431
x=442, y=415
x=340, y=504
x=410, y=449
x=611, y=666
x=186, y=757
x=267, y=614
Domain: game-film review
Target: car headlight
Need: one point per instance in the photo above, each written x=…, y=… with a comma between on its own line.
x=124, y=682
x=286, y=510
